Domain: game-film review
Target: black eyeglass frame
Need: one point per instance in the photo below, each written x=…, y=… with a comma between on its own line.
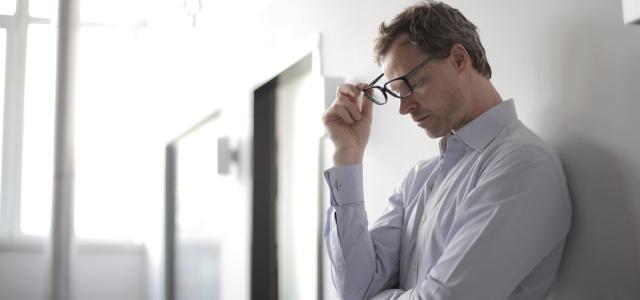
x=384, y=88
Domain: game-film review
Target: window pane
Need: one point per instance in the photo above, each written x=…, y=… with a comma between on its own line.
x=7, y=7
x=112, y=11
x=43, y=8
x=112, y=150
x=3, y=55
x=37, y=145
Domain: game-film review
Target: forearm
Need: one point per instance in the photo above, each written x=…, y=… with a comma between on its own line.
x=350, y=252
x=346, y=237
x=364, y=262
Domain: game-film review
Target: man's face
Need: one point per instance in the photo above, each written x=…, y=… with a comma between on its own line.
x=437, y=103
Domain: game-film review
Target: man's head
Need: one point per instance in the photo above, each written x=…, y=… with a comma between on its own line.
x=443, y=90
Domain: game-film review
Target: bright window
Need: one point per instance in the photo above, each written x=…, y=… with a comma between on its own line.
x=38, y=130
x=110, y=12
x=42, y=8
x=110, y=182
x=3, y=55
x=111, y=185
x=114, y=175
x=7, y=7
x=27, y=115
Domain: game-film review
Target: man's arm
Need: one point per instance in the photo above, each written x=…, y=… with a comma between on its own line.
x=511, y=221
x=363, y=262
x=350, y=247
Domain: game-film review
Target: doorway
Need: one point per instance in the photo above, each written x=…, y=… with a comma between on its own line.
x=286, y=256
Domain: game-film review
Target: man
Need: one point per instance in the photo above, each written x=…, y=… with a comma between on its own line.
x=487, y=219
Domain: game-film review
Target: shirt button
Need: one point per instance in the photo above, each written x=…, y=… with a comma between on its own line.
x=424, y=219
x=414, y=267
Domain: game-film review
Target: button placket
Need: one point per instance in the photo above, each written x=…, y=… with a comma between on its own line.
x=430, y=204
x=421, y=227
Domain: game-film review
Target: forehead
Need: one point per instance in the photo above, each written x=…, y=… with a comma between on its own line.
x=401, y=58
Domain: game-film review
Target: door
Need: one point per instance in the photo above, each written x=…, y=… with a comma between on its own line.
x=207, y=228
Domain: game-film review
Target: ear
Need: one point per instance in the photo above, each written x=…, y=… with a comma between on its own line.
x=459, y=57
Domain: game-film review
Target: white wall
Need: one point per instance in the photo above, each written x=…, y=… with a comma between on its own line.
x=569, y=66
x=100, y=273
x=23, y=275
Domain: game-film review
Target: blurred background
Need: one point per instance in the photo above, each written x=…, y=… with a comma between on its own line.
x=173, y=149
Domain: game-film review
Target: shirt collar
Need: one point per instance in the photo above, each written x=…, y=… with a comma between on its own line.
x=483, y=129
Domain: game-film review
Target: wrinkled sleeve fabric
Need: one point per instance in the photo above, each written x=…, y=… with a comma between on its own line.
x=515, y=216
x=363, y=261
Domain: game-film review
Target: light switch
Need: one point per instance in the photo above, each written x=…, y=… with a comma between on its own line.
x=226, y=155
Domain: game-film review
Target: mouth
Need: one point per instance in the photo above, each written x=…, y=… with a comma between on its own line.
x=421, y=121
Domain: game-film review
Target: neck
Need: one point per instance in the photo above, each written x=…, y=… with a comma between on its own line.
x=484, y=96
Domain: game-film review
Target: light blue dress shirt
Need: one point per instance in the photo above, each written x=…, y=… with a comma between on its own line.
x=486, y=220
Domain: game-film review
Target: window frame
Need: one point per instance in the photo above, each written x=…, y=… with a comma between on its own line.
x=11, y=235
x=16, y=27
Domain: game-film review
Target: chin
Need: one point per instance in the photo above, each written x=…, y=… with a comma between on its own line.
x=435, y=134
x=432, y=134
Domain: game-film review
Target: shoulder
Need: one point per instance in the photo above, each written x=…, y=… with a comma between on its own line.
x=518, y=147
x=518, y=165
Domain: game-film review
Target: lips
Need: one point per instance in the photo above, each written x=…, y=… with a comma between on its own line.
x=421, y=120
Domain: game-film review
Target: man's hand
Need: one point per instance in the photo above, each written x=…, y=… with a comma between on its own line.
x=348, y=121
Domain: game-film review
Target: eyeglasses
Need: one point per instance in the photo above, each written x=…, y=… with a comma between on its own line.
x=399, y=87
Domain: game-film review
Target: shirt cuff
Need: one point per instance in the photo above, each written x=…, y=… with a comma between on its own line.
x=345, y=184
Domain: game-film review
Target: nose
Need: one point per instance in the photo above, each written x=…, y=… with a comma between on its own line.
x=407, y=105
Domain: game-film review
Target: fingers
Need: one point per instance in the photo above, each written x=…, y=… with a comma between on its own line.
x=345, y=116
x=342, y=110
x=367, y=105
x=347, y=106
x=346, y=100
x=361, y=86
x=348, y=90
x=351, y=108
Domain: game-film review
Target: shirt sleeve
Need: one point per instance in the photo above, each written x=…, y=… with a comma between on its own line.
x=517, y=214
x=363, y=261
